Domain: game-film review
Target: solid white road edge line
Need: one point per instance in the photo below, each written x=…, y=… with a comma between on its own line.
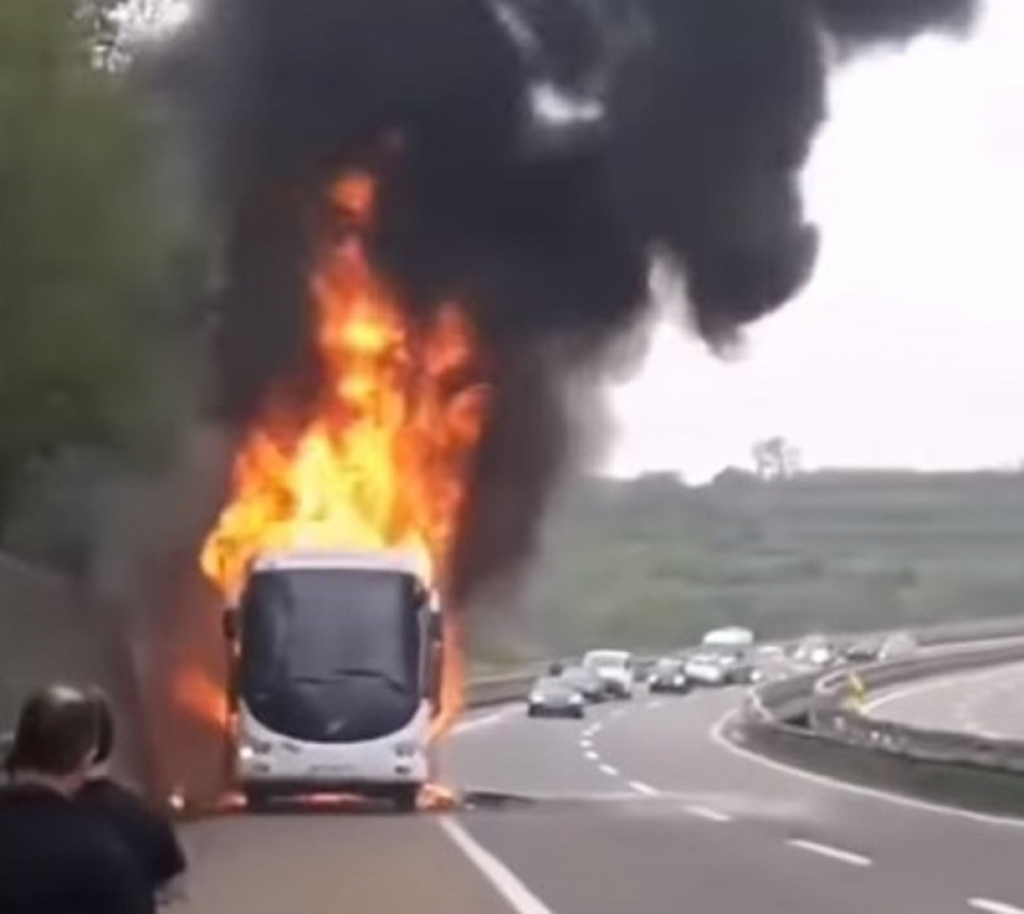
x=645, y=789
x=993, y=907
x=505, y=882
x=712, y=815
x=610, y=770
x=833, y=853
x=468, y=725
x=723, y=742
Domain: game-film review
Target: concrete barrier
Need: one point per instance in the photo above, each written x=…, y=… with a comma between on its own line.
x=805, y=722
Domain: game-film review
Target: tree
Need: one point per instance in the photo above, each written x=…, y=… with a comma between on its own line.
x=82, y=249
x=775, y=458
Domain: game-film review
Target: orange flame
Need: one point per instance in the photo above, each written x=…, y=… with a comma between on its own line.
x=381, y=459
x=202, y=697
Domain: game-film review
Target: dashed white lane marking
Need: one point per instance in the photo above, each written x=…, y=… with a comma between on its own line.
x=505, y=882
x=719, y=738
x=586, y=744
x=833, y=853
x=993, y=907
x=712, y=815
x=592, y=731
x=610, y=770
x=591, y=755
x=645, y=789
x=655, y=704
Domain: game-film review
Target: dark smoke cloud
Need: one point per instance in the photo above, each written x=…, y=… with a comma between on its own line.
x=859, y=21
x=535, y=154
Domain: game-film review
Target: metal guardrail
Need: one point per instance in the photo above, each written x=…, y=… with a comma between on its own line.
x=496, y=690
x=805, y=721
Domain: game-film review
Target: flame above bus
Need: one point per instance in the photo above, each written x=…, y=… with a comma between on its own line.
x=380, y=458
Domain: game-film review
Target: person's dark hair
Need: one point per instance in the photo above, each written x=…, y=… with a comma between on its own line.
x=56, y=733
x=104, y=726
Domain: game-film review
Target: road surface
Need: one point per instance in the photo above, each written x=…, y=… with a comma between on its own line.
x=987, y=702
x=643, y=807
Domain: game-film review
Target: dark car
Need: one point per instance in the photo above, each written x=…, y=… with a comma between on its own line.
x=586, y=682
x=864, y=651
x=552, y=696
x=669, y=675
x=643, y=667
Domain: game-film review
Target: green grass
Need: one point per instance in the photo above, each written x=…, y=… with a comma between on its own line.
x=652, y=563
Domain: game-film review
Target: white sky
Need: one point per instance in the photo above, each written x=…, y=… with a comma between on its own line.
x=907, y=348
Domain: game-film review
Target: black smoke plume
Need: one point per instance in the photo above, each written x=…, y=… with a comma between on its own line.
x=534, y=156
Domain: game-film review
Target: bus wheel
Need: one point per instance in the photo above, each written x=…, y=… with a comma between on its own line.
x=405, y=798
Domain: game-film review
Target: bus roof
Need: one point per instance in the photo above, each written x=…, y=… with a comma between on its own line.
x=341, y=559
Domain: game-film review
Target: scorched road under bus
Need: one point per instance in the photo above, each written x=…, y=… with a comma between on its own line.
x=336, y=666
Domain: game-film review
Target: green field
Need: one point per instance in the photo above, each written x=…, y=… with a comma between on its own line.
x=652, y=562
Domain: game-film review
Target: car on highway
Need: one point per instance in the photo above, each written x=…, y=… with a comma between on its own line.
x=553, y=696
x=586, y=682
x=614, y=669
x=643, y=667
x=669, y=676
x=816, y=650
x=740, y=668
x=865, y=650
x=707, y=669
x=721, y=668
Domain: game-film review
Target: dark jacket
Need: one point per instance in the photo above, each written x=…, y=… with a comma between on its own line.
x=149, y=835
x=57, y=859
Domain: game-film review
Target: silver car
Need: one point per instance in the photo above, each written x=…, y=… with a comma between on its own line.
x=552, y=696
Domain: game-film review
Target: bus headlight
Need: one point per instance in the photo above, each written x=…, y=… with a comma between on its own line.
x=406, y=749
x=253, y=747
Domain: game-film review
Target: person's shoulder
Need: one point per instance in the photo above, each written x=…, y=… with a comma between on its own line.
x=145, y=828
x=125, y=804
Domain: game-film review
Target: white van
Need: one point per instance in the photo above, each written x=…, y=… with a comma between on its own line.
x=614, y=669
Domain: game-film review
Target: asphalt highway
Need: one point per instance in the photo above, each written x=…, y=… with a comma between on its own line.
x=644, y=806
x=987, y=702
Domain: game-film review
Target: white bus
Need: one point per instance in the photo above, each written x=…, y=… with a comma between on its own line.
x=336, y=673
x=730, y=638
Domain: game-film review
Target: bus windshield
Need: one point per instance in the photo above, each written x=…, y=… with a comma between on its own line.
x=337, y=640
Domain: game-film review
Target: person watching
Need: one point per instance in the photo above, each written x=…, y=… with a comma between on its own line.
x=148, y=834
x=55, y=857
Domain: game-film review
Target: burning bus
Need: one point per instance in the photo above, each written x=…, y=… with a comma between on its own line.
x=335, y=675
x=335, y=542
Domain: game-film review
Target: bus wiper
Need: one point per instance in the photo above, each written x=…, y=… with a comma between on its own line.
x=367, y=673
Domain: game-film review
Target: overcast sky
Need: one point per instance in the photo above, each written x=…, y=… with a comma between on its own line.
x=907, y=348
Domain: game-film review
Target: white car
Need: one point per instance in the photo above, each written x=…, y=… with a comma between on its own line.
x=615, y=670
x=816, y=651
x=706, y=669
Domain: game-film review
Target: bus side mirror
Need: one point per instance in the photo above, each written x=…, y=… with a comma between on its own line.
x=230, y=624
